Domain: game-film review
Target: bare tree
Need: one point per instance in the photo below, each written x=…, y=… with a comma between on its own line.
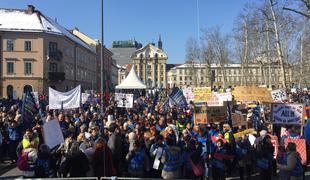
x=278, y=44
x=208, y=55
x=219, y=45
x=303, y=10
x=192, y=56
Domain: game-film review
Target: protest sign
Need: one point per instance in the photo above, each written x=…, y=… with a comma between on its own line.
x=200, y=93
x=188, y=94
x=224, y=96
x=213, y=100
x=278, y=95
x=238, y=120
x=242, y=133
x=200, y=115
x=52, y=133
x=300, y=148
x=85, y=98
x=294, y=90
x=287, y=113
x=65, y=100
x=252, y=93
x=216, y=114
x=124, y=100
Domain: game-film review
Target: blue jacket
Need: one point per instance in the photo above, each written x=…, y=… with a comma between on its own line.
x=13, y=134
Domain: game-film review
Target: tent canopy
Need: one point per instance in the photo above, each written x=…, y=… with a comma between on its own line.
x=132, y=81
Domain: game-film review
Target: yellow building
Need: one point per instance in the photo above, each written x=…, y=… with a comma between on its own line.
x=37, y=53
x=150, y=62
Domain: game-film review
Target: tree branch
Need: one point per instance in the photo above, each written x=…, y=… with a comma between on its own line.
x=298, y=12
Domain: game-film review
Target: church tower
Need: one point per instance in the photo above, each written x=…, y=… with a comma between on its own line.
x=160, y=43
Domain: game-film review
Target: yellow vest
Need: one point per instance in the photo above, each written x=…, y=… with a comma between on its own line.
x=26, y=142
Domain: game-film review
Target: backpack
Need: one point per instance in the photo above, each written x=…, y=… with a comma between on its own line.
x=22, y=162
x=42, y=167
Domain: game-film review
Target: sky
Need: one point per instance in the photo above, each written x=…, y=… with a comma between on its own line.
x=142, y=20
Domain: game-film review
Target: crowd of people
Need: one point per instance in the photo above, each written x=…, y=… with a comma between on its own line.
x=143, y=142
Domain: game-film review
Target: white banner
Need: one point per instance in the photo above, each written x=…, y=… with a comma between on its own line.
x=124, y=100
x=52, y=133
x=278, y=95
x=287, y=113
x=67, y=100
x=85, y=97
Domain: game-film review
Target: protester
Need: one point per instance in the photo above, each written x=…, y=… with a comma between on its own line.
x=76, y=162
x=171, y=160
x=154, y=139
x=102, y=160
x=292, y=166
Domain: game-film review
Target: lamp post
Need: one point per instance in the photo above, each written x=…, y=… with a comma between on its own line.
x=102, y=58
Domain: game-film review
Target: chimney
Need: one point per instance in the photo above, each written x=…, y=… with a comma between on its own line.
x=30, y=9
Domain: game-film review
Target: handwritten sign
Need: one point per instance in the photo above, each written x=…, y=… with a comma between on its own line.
x=188, y=94
x=287, y=113
x=252, y=93
x=213, y=100
x=216, y=114
x=224, y=96
x=200, y=115
x=200, y=93
x=238, y=120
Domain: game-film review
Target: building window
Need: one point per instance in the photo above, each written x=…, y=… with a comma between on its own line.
x=234, y=71
x=180, y=78
x=9, y=91
x=53, y=47
x=28, y=88
x=174, y=78
x=10, y=67
x=53, y=67
x=28, y=68
x=27, y=45
x=10, y=45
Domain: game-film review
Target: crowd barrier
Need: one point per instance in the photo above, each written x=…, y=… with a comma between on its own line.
x=102, y=178
x=132, y=178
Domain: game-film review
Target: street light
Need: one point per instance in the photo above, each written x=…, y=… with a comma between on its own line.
x=102, y=57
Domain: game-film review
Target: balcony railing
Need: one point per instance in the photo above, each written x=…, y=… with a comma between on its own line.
x=56, y=76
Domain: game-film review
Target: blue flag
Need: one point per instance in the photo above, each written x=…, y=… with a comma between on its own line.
x=178, y=98
x=29, y=110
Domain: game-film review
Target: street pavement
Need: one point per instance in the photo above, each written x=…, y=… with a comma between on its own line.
x=8, y=171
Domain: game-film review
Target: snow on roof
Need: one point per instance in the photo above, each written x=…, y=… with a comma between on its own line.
x=20, y=20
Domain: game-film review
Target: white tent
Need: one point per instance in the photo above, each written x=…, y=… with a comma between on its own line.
x=132, y=81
